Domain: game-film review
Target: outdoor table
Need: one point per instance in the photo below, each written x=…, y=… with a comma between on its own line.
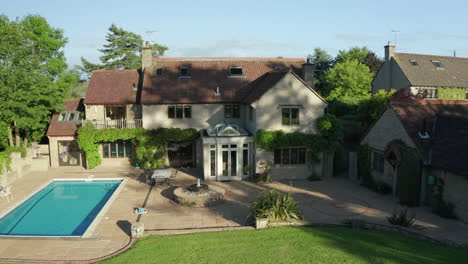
x=161, y=174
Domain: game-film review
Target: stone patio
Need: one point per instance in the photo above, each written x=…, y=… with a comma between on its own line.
x=329, y=201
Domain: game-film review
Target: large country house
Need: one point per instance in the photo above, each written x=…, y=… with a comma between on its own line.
x=429, y=114
x=227, y=99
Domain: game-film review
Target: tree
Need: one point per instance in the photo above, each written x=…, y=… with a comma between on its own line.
x=348, y=82
x=373, y=62
x=32, y=64
x=370, y=109
x=122, y=51
x=322, y=61
x=362, y=55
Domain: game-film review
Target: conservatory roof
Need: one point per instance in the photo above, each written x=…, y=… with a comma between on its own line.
x=227, y=130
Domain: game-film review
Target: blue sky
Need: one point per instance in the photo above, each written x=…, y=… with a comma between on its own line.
x=257, y=28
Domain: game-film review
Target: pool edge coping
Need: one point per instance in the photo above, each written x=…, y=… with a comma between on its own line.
x=41, y=187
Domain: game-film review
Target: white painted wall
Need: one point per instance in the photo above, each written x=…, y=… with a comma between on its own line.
x=203, y=116
x=288, y=91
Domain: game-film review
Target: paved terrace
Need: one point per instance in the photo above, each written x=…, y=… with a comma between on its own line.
x=329, y=201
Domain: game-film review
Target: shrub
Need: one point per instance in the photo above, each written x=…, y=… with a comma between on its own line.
x=442, y=207
x=314, y=177
x=382, y=188
x=401, y=218
x=259, y=177
x=445, y=209
x=276, y=205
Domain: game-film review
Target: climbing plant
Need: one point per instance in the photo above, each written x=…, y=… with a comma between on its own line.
x=448, y=93
x=409, y=176
x=5, y=156
x=150, y=144
x=442, y=207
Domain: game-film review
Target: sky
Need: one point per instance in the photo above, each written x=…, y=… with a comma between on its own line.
x=256, y=28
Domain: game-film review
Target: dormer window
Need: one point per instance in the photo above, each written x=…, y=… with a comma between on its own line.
x=184, y=71
x=414, y=63
x=70, y=116
x=438, y=64
x=236, y=71
x=159, y=72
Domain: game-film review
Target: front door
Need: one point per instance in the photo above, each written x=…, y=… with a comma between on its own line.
x=229, y=162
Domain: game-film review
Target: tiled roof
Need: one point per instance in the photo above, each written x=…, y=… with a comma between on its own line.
x=112, y=87
x=206, y=74
x=447, y=125
x=58, y=129
x=453, y=74
x=404, y=96
x=266, y=81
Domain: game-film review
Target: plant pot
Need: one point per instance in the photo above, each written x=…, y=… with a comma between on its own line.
x=261, y=222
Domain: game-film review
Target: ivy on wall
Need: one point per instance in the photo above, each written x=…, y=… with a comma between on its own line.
x=150, y=145
x=5, y=156
x=409, y=176
x=448, y=93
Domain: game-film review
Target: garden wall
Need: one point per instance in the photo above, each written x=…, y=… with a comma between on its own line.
x=35, y=160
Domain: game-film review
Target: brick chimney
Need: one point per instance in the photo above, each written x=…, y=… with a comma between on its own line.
x=308, y=73
x=389, y=52
x=146, y=56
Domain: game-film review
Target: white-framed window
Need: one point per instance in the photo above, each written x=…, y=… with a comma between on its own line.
x=236, y=71
x=231, y=111
x=184, y=71
x=70, y=116
x=430, y=93
x=289, y=156
x=179, y=111
x=438, y=64
x=290, y=116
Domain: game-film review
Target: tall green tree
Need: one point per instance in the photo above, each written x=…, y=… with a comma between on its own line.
x=348, y=81
x=370, y=109
x=362, y=55
x=32, y=66
x=322, y=61
x=121, y=51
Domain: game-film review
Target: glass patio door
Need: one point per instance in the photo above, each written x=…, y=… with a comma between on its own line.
x=228, y=161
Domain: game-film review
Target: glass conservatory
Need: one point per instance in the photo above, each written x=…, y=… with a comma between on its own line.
x=227, y=152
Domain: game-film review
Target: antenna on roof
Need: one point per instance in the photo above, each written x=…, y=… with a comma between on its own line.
x=395, y=33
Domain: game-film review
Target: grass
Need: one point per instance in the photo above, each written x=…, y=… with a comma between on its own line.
x=289, y=245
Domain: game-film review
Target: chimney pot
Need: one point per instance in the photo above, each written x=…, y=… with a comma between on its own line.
x=389, y=51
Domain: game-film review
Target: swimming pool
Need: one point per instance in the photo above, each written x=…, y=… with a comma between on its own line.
x=62, y=208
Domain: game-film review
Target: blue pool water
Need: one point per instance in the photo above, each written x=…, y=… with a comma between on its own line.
x=62, y=208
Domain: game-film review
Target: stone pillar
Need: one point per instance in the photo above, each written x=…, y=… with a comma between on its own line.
x=138, y=229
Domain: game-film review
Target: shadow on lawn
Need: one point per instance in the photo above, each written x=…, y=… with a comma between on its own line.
x=382, y=247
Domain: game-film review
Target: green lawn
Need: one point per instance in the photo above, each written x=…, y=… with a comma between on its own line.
x=289, y=245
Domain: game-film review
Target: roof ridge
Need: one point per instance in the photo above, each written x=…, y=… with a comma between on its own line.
x=418, y=54
x=229, y=58
x=113, y=70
